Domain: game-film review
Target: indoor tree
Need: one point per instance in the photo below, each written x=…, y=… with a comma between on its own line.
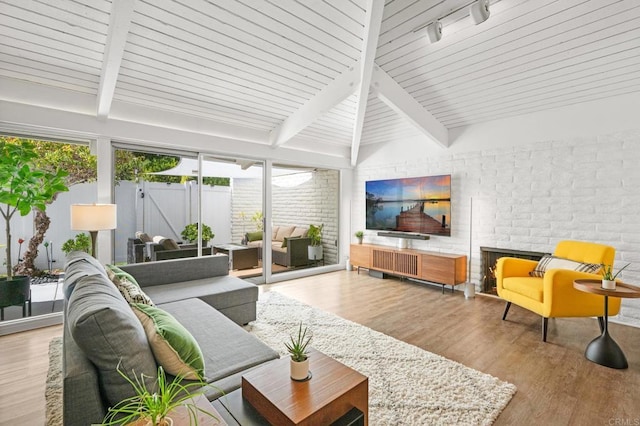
x=24, y=187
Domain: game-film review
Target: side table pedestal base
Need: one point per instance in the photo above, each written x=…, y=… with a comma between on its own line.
x=605, y=351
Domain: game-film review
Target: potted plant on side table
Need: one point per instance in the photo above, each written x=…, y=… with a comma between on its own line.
x=297, y=347
x=609, y=278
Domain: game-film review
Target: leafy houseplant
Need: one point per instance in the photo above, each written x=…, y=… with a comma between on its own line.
x=24, y=187
x=315, y=248
x=608, y=277
x=154, y=406
x=190, y=233
x=297, y=347
x=359, y=235
x=80, y=243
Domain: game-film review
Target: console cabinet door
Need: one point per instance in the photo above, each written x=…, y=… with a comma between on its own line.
x=359, y=256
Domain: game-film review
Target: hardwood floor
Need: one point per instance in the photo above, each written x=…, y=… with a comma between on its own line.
x=556, y=384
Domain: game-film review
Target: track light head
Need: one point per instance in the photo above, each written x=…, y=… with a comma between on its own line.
x=434, y=31
x=479, y=11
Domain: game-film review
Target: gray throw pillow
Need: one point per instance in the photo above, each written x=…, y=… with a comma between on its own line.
x=108, y=332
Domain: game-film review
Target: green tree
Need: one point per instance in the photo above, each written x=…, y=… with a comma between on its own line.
x=24, y=186
x=79, y=166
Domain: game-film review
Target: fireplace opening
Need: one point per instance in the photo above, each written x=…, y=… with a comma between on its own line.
x=490, y=255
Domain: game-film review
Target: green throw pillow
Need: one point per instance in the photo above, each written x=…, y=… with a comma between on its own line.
x=254, y=236
x=285, y=242
x=174, y=348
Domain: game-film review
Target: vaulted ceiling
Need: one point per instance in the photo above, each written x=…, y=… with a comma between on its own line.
x=325, y=76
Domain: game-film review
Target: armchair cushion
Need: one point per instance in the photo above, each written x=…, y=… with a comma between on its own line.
x=531, y=287
x=553, y=262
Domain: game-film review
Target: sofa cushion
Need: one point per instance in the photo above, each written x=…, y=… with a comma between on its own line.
x=219, y=292
x=227, y=348
x=284, y=232
x=110, y=335
x=552, y=262
x=254, y=236
x=169, y=244
x=531, y=287
x=127, y=286
x=285, y=243
x=177, y=270
x=143, y=237
x=299, y=231
x=157, y=239
x=83, y=266
x=173, y=346
x=274, y=232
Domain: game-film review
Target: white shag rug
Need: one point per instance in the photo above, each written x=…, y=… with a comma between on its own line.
x=53, y=387
x=407, y=385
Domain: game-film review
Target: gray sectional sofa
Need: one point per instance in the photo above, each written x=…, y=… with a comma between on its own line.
x=100, y=329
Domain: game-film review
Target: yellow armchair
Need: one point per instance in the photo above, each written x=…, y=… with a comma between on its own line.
x=553, y=294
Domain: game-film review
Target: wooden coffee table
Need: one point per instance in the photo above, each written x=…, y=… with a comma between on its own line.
x=333, y=391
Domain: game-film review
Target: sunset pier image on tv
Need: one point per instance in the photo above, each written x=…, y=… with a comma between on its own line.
x=421, y=205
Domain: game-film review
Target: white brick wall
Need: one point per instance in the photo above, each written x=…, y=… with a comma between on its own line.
x=528, y=197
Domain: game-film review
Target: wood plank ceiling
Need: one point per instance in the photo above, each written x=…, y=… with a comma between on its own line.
x=288, y=72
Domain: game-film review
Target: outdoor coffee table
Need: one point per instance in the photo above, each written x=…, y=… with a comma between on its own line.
x=240, y=256
x=331, y=394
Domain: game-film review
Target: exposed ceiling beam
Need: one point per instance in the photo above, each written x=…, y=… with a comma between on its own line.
x=372, y=25
x=330, y=96
x=399, y=100
x=119, y=23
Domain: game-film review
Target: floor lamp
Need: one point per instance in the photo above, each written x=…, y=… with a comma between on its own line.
x=93, y=218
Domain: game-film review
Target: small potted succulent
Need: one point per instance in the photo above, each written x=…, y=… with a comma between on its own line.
x=153, y=407
x=609, y=278
x=297, y=347
x=359, y=235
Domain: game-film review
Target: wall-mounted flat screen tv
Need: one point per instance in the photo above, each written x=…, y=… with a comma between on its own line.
x=420, y=204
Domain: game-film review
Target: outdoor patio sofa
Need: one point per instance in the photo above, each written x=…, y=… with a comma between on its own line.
x=160, y=248
x=101, y=330
x=288, y=245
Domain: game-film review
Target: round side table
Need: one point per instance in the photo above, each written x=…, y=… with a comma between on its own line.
x=603, y=349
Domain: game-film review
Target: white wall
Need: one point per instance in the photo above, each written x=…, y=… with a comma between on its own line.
x=534, y=180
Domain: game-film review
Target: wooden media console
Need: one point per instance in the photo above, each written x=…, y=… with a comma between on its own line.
x=440, y=268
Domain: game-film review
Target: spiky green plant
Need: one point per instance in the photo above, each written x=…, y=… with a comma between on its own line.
x=607, y=272
x=297, y=346
x=155, y=405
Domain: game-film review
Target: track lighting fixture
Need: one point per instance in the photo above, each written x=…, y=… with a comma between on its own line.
x=434, y=31
x=479, y=11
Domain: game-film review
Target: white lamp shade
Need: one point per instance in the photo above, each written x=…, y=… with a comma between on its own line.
x=93, y=217
x=479, y=11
